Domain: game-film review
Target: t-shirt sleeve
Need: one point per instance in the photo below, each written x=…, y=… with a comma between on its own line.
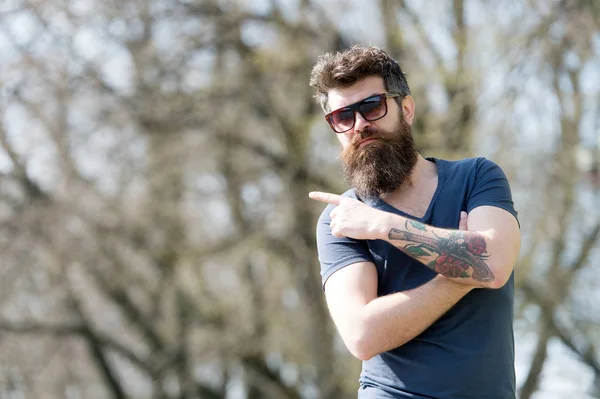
x=491, y=188
x=336, y=253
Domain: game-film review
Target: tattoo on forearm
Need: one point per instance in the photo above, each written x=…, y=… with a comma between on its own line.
x=461, y=254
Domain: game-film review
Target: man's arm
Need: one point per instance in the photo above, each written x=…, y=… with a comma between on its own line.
x=370, y=325
x=484, y=256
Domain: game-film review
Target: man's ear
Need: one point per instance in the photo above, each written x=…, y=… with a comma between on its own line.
x=408, y=109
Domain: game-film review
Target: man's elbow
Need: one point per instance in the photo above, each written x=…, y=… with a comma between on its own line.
x=503, y=264
x=366, y=345
x=501, y=276
x=361, y=350
x=361, y=343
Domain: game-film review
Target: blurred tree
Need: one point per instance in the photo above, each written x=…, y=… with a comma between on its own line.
x=156, y=236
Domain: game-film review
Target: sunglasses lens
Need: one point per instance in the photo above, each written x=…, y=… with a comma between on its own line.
x=373, y=108
x=342, y=119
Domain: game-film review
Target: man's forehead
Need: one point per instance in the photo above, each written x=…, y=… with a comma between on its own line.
x=342, y=96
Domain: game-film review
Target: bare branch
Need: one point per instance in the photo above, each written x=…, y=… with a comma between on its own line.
x=74, y=329
x=537, y=363
x=20, y=172
x=566, y=334
x=269, y=382
x=589, y=243
x=96, y=350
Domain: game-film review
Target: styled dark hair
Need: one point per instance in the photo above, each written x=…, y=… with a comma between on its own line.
x=345, y=68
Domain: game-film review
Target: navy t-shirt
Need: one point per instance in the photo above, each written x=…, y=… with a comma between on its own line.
x=469, y=351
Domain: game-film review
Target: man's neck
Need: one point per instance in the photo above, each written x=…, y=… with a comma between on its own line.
x=417, y=189
x=423, y=172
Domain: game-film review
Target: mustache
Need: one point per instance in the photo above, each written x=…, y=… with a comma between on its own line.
x=367, y=133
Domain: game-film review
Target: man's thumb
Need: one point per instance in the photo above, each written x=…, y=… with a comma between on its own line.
x=462, y=225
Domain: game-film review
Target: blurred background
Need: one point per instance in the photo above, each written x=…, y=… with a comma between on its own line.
x=156, y=237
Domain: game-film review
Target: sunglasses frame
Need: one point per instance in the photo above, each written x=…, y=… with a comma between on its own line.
x=356, y=107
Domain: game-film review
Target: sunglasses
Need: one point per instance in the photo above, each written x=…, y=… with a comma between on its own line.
x=372, y=108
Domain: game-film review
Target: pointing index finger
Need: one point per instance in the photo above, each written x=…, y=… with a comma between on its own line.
x=333, y=199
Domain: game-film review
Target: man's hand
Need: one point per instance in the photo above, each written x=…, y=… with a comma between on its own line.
x=352, y=218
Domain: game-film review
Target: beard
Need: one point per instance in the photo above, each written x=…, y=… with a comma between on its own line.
x=382, y=166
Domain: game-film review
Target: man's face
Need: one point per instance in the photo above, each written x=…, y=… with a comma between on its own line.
x=377, y=156
x=341, y=97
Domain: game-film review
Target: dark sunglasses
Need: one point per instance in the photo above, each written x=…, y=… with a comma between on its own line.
x=372, y=108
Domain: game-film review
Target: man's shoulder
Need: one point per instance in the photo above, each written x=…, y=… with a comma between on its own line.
x=463, y=163
x=465, y=167
x=350, y=193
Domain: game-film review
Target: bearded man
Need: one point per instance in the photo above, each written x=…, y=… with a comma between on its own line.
x=417, y=257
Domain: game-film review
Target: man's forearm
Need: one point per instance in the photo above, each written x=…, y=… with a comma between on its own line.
x=456, y=254
x=392, y=320
x=460, y=255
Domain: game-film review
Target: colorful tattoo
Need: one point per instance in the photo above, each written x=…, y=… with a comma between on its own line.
x=460, y=255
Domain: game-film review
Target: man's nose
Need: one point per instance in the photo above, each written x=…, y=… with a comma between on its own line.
x=360, y=123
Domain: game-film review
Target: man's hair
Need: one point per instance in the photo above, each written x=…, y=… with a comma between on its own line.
x=345, y=68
